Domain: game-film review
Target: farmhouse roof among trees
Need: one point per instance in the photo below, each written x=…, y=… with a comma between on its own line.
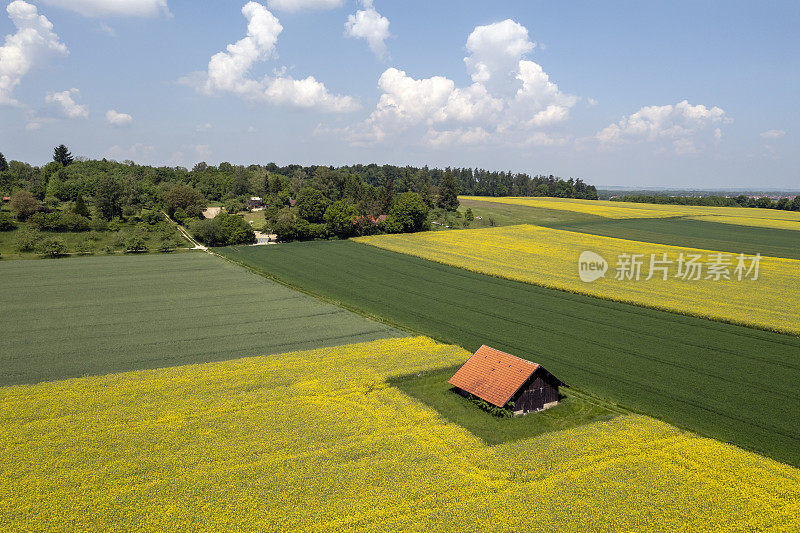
x=493, y=375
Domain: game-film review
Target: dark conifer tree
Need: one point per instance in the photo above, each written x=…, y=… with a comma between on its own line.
x=448, y=192
x=61, y=154
x=80, y=207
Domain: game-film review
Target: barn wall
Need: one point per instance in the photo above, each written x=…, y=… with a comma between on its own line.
x=535, y=394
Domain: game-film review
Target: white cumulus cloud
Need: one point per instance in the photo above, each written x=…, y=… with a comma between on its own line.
x=65, y=101
x=510, y=99
x=679, y=124
x=102, y=8
x=371, y=26
x=494, y=53
x=773, y=134
x=229, y=71
x=139, y=152
x=33, y=42
x=301, y=5
x=118, y=119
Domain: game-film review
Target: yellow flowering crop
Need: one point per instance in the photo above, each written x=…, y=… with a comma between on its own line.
x=589, y=207
x=318, y=441
x=774, y=223
x=549, y=257
x=766, y=218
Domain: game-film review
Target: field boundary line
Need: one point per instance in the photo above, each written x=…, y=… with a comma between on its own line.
x=731, y=321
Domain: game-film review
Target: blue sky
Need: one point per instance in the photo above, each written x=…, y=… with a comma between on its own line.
x=677, y=94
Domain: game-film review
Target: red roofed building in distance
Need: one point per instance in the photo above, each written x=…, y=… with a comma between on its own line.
x=502, y=379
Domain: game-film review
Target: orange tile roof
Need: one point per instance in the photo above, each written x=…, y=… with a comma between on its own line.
x=493, y=375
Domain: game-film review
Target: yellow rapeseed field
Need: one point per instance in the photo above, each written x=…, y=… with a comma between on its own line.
x=549, y=257
x=765, y=218
x=589, y=207
x=318, y=441
x=758, y=222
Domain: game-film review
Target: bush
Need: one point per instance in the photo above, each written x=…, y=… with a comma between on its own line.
x=7, y=222
x=73, y=222
x=27, y=240
x=51, y=247
x=98, y=224
x=180, y=216
x=119, y=240
x=166, y=244
x=208, y=231
x=24, y=205
x=152, y=218
x=56, y=221
x=114, y=225
x=492, y=409
x=82, y=247
x=224, y=229
x=80, y=207
x=135, y=244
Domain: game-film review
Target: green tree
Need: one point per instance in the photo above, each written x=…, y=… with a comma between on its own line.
x=339, y=217
x=7, y=222
x=108, y=197
x=224, y=229
x=468, y=215
x=168, y=244
x=409, y=213
x=61, y=155
x=240, y=185
x=186, y=198
x=209, y=231
x=311, y=204
x=80, y=207
x=290, y=227
x=234, y=206
x=3, y=163
x=237, y=230
x=387, y=196
x=448, y=192
x=764, y=202
x=24, y=205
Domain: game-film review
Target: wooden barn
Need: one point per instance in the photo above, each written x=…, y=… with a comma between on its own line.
x=502, y=379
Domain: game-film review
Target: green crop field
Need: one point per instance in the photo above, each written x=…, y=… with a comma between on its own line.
x=696, y=234
x=499, y=214
x=729, y=382
x=96, y=315
x=675, y=231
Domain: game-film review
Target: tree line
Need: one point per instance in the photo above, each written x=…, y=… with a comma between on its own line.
x=300, y=202
x=763, y=202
